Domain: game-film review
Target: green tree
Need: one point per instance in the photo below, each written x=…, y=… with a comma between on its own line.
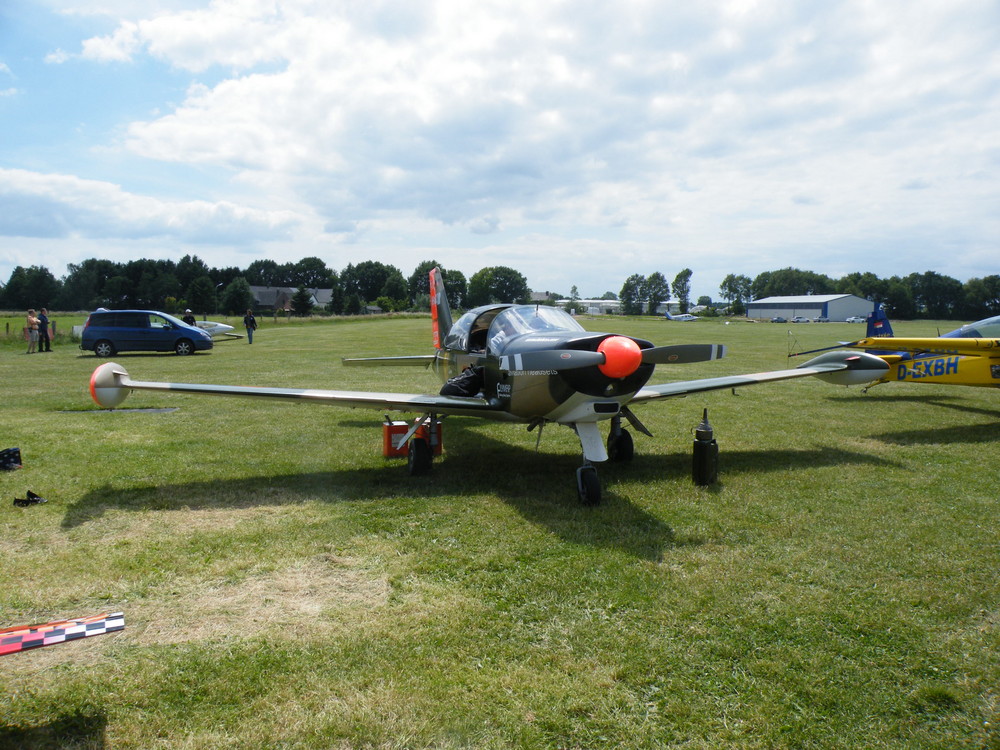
x=308, y=272
x=262, y=273
x=201, y=295
x=302, y=302
x=936, y=296
x=981, y=297
x=681, y=287
x=367, y=278
x=456, y=288
x=735, y=289
x=34, y=286
x=790, y=282
x=353, y=304
x=632, y=295
x=899, y=301
x=396, y=289
x=496, y=284
x=336, y=303
x=866, y=285
x=655, y=290
x=237, y=297
x=189, y=268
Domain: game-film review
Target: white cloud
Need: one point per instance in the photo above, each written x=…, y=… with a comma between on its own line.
x=119, y=47
x=664, y=131
x=45, y=205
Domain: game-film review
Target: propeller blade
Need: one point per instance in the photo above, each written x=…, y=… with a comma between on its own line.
x=552, y=359
x=682, y=354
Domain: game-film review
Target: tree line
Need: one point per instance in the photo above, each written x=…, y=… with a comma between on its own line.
x=190, y=283
x=172, y=286
x=917, y=295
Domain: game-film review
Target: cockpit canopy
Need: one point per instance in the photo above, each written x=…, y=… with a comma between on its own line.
x=988, y=328
x=497, y=324
x=515, y=321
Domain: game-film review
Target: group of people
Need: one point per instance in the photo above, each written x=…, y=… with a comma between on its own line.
x=38, y=331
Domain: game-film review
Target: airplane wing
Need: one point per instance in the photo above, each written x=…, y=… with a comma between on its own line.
x=110, y=384
x=962, y=346
x=840, y=368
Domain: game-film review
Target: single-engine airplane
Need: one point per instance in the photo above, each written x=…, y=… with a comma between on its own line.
x=969, y=355
x=680, y=317
x=522, y=363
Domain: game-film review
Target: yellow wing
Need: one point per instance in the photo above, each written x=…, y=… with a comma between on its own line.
x=936, y=345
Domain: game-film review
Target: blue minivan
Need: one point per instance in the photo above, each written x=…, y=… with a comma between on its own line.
x=110, y=331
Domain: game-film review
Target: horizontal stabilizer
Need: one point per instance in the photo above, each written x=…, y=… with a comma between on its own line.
x=420, y=360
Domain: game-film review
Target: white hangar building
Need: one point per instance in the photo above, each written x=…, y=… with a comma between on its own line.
x=832, y=306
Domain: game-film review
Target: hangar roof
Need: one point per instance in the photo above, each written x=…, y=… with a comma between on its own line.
x=801, y=299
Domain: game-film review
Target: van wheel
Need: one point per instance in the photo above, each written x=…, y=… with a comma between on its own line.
x=184, y=347
x=104, y=348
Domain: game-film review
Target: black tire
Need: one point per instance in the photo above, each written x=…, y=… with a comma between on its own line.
x=418, y=457
x=104, y=348
x=183, y=347
x=621, y=449
x=588, y=486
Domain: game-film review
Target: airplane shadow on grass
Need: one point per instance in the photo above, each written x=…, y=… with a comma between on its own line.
x=76, y=729
x=957, y=434
x=539, y=485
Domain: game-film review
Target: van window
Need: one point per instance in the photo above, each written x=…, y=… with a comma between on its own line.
x=131, y=320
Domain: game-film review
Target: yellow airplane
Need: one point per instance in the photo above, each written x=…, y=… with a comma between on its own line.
x=969, y=355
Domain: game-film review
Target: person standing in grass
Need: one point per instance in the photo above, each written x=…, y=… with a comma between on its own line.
x=31, y=326
x=250, y=323
x=44, y=340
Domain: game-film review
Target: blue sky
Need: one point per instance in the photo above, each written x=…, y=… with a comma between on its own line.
x=578, y=142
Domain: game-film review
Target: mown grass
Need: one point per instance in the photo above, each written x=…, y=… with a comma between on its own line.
x=286, y=586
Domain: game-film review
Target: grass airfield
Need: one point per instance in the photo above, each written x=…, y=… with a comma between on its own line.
x=285, y=586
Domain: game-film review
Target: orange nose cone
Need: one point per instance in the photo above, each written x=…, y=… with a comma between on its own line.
x=622, y=356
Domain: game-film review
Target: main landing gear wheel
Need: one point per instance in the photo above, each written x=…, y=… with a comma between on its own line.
x=418, y=457
x=620, y=447
x=588, y=485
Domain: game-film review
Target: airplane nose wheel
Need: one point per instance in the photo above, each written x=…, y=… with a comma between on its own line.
x=588, y=485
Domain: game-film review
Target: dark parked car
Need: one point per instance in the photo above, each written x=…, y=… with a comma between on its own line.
x=110, y=331
x=778, y=319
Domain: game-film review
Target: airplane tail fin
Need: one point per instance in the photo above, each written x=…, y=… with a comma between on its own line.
x=440, y=311
x=878, y=323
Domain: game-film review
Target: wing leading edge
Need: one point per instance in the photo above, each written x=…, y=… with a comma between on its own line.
x=840, y=368
x=968, y=347
x=110, y=385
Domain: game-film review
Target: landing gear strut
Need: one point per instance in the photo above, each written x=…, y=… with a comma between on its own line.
x=621, y=449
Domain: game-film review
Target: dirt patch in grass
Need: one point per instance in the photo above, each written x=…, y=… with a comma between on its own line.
x=308, y=598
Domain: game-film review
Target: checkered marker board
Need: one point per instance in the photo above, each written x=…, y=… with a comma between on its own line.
x=24, y=637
